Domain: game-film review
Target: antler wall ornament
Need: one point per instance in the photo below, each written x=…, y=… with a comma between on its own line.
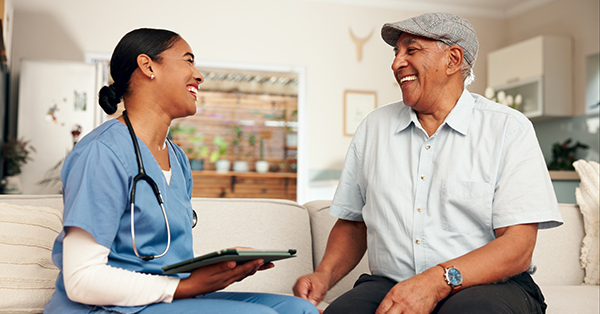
x=359, y=42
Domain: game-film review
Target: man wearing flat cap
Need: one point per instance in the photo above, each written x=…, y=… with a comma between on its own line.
x=445, y=189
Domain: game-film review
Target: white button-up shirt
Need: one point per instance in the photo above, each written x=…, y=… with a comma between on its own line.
x=426, y=200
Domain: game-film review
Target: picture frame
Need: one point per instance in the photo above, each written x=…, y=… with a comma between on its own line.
x=357, y=104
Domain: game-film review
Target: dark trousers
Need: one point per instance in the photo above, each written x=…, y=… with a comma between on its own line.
x=519, y=294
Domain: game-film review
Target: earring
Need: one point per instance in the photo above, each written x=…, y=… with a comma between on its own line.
x=152, y=76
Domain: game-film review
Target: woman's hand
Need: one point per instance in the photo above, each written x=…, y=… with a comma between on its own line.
x=216, y=277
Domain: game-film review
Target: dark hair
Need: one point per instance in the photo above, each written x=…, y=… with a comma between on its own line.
x=123, y=62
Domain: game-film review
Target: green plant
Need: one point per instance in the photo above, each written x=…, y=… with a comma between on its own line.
x=262, y=149
x=236, y=142
x=177, y=130
x=251, y=145
x=288, y=128
x=221, y=145
x=563, y=155
x=52, y=176
x=198, y=149
x=15, y=154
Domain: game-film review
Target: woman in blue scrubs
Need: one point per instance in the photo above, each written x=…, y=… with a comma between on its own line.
x=106, y=265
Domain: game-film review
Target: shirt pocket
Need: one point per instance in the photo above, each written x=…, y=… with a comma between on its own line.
x=466, y=206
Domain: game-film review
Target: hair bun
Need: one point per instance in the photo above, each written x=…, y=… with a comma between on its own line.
x=109, y=98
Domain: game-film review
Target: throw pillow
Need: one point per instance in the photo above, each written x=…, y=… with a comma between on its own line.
x=588, y=195
x=27, y=275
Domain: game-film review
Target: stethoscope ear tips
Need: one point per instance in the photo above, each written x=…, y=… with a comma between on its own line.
x=147, y=257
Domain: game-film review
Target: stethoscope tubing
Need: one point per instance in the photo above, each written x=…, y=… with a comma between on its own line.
x=143, y=176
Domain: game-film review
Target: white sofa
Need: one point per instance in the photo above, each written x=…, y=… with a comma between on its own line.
x=28, y=225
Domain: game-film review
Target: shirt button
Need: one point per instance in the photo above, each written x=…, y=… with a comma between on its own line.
x=423, y=177
x=427, y=146
x=418, y=241
x=419, y=209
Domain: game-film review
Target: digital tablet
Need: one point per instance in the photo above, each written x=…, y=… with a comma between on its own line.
x=238, y=255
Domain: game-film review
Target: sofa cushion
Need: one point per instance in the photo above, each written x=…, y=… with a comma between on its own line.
x=556, y=252
x=321, y=223
x=571, y=299
x=27, y=275
x=261, y=224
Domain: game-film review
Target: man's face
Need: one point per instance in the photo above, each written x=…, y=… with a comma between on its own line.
x=420, y=68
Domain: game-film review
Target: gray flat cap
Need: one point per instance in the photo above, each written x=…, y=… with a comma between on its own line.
x=447, y=28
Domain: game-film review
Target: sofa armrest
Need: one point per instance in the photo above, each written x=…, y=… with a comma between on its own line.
x=557, y=250
x=321, y=223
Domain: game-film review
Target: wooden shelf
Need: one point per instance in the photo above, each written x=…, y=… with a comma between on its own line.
x=563, y=175
x=248, y=174
x=280, y=185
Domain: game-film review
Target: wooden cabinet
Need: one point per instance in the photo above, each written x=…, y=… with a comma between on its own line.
x=281, y=185
x=539, y=69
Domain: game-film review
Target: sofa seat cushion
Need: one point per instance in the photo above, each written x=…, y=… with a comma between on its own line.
x=572, y=299
x=27, y=275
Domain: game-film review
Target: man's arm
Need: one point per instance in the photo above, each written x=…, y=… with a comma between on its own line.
x=508, y=255
x=346, y=246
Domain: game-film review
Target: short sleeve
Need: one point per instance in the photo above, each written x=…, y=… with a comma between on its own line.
x=524, y=191
x=349, y=198
x=95, y=188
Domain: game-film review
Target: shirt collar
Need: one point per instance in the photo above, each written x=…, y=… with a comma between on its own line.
x=405, y=118
x=458, y=119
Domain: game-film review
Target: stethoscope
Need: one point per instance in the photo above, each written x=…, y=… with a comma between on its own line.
x=143, y=176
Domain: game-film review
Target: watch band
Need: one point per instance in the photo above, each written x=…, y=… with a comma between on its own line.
x=446, y=267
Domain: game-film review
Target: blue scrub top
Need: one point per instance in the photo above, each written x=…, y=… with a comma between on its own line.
x=97, y=179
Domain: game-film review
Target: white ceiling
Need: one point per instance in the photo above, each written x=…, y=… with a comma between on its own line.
x=477, y=8
x=481, y=8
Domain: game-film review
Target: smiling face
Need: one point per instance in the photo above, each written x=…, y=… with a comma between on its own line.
x=420, y=67
x=178, y=80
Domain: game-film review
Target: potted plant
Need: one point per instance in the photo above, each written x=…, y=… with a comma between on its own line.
x=221, y=165
x=262, y=166
x=15, y=154
x=240, y=164
x=563, y=155
x=197, y=152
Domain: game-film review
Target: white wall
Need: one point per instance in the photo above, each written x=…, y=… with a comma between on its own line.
x=309, y=34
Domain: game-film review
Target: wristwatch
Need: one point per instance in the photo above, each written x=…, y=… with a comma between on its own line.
x=452, y=276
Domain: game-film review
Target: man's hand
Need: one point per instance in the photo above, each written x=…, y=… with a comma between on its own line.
x=419, y=294
x=346, y=245
x=216, y=277
x=312, y=287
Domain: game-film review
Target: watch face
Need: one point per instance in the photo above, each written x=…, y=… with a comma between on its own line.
x=454, y=276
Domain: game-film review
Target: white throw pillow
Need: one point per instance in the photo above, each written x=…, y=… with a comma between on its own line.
x=588, y=195
x=27, y=275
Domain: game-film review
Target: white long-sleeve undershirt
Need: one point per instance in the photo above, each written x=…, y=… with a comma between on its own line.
x=90, y=280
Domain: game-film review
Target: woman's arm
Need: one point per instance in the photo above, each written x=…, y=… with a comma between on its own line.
x=90, y=280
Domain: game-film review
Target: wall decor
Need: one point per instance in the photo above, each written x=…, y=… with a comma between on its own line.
x=359, y=42
x=357, y=104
